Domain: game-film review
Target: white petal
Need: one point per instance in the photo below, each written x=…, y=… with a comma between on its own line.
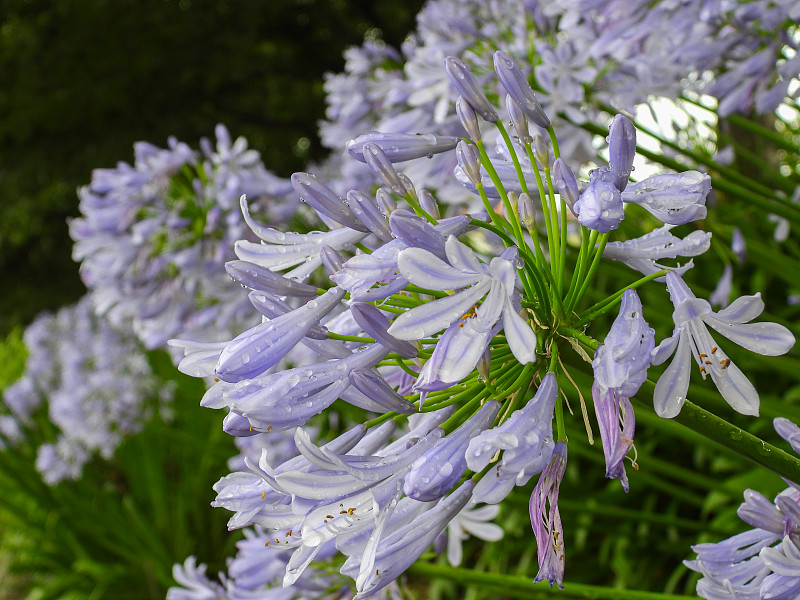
x=665, y=349
x=462, y=257
x=742, y=310
x=737, y=390
x=424, y=269
x=768, y=339
x=670, y=392
x=489, y=532
x=431, y=317
x=519, y=335
x=489, y=310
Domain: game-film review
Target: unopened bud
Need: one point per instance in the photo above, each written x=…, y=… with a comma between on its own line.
x=519, y=120
x=469, y=119
x=527, y=211
x=469, y=159
x=385, y=202
x=428, y=203
x=541, y=152
x=467, y=85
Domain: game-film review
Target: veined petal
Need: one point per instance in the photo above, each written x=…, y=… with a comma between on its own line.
x=462, y=257
x=458, y=351
x=670, y=392
x=742, y=310
x=434, y=316
x=491, y=307
x=767, y=339
x=424, y=269
x=519, y=335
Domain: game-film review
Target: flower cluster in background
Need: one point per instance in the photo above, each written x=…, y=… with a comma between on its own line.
x=85, y=382
x=154, y=236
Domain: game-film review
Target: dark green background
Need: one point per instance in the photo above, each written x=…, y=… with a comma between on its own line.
x=81, y=81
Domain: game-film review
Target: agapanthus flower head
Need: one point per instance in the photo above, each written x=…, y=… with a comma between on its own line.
x=95, y=384
x=153, y=237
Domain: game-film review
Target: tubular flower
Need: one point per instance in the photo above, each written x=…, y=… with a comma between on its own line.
x=692, y=339
x=620, y=367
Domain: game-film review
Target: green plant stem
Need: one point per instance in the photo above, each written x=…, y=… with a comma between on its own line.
x=523, y=587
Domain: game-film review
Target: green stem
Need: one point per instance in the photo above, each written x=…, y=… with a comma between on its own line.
x=606, y=304
x=523, y=587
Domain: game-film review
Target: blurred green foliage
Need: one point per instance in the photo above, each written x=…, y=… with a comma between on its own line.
x=81, y=81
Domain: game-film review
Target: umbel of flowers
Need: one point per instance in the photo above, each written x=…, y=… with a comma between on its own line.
x=93, y=383
x=454, y=332
x=154, y=236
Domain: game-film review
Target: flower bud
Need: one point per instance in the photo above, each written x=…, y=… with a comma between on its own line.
x=518, y=88
x=469, y=119
x=519, y=120
x=464, y=81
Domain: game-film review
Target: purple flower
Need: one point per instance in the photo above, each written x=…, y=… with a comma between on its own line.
x=643, y=252
x=546, y=519
x=599, y=207
x=675, y=199
x=620, y=367
x=464, y=81
x=400, y=147
x=691, y=338
x=435, y=473
x=496, y=281
x=526, y=439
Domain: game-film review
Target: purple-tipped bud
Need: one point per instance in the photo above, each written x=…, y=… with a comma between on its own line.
x=519, y=120
x=435, y=473
x=372, y=385
x=273, y=307
x=385, y=202
x=600, y=206
x=324, y=200
x=331, y=259
x=416, y=232
x=380, y=164
x=518, y=88
x=469, y=159
x=464, y=81
x=469, y=118
x=260, y=278
x=565, y=182
x=375, y=325
x=236, y=425
x=365, y=209
x=400, y=147
x=428, y=203
x=621, y=149
x=541, y=152
x=263, y=346
x=527, y=211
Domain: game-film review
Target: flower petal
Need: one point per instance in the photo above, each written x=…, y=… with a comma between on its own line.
x=434, y=316
x=670, y=392
x=424, y=269
x=768, y=339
